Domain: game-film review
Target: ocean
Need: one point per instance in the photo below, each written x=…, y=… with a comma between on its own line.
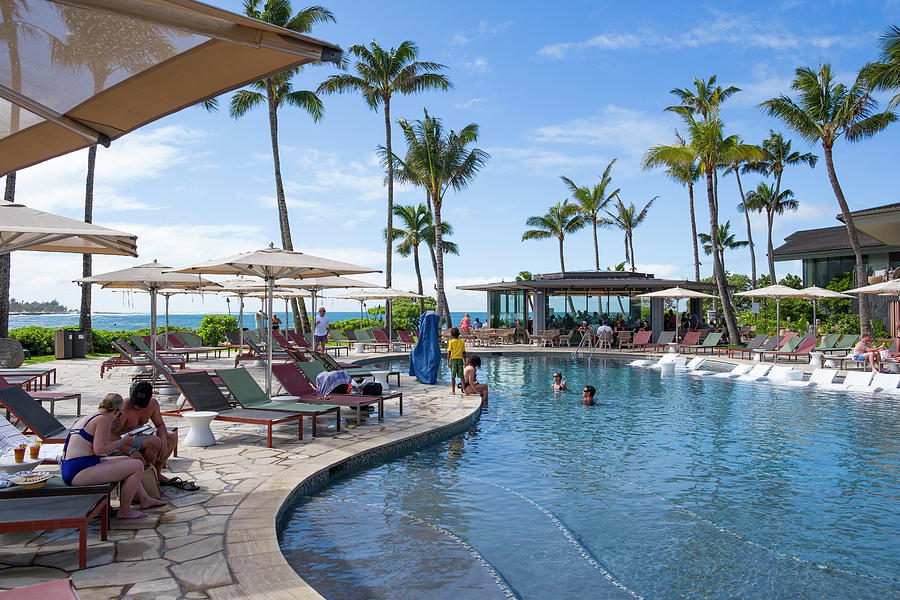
x=131, y=321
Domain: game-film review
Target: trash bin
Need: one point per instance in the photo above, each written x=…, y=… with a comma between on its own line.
x=62, y=343
x=79, y=341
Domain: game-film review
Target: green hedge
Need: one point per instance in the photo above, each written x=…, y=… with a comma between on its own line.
x=39, y=340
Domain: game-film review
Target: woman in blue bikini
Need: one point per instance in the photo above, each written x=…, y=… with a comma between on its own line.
x=84, y=462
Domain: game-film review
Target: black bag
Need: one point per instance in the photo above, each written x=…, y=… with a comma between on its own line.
x=371, y=389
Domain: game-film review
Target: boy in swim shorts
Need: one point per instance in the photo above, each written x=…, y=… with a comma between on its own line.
x=456, y=357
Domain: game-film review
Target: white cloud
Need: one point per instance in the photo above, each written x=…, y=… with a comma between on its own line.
x=482, y=30
x=723, y=28
x=541, y=160
x=479, y=63
x=660, y=270
x=473, y=104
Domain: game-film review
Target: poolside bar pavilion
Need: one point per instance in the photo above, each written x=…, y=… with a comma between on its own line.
x=563, y=300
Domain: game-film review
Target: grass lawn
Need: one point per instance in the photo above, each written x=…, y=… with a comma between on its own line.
x=50, y=357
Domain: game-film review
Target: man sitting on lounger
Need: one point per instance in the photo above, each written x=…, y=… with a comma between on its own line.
x=864, y=351
x=153, y=447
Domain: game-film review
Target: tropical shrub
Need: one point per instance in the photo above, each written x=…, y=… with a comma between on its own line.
x=213, y=327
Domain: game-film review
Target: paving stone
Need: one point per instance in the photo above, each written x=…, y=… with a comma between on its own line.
x=157, y=586
x=226, y=499
x=183, y=515
x=203, y=573
x=138, y=549
x=178, y=542
x=221, y=510
x=198, y=549
x=191, y=498
x=17, y=556
x=150, y=522
x=97, y=554
x=100, y=593
x=169, y=530
x=121, y=573
x=209, y=524
x=22, y=576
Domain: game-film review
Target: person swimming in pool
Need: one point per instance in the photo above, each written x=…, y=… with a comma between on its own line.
x=559, y=384
x=587, y=396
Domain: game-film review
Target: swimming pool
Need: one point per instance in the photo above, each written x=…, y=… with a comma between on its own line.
x=671, y=487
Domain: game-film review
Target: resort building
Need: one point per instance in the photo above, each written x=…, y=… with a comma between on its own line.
x=563, y=300
x=826, y=252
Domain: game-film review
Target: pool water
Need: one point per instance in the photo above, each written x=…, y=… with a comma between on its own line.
x=670, y=487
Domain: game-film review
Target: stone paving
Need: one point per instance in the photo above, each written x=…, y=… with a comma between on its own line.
x=219, y=542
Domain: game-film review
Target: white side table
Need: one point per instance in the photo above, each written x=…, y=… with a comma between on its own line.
x=381, y=377
x=815, y=359
x=672, y=347
x=200, y=433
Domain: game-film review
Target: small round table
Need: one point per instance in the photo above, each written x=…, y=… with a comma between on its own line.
x=381, y=377
x=9, y=465
x=672, y=347
x=200, y=433
x=815, y=358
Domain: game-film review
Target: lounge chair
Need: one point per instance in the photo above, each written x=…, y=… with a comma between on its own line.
x=691, y=339
x=56, y=512
x=203, y=394
x=804, y=347
x=828, y=342
x=858, y=381
x=278, y=353
x=33, y=416
x=665, y=338
x=351, y=336
x=11, y=437
x=249, y=395
x=312, y=369
x=735, y=372
x=296, y=383
x=844, y=346
x=61, y=589
x=44, y=374
x=785, y=339
x=407, y=338
x=178, y=342
x=143, y=346
x=709, y=343
x=758, y=341
x=640, y=340
x=51, y=397
x=886, y=382
x=757, y=373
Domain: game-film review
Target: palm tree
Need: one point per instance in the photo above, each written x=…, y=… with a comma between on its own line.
x=627, y=218
x=687, y=175
x=703, y=100
x=561, y=219
x=765, y=199
x=726, y=241
x=129, y=46
x=441, y=160
x=735, y=167
x=885, y=74
x=824, y=112
x=592, y=200
x=417, y=226
x=380, y=74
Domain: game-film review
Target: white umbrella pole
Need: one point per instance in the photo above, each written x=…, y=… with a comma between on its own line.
x=286, y=319
x=777, y=316
x=240, y=325
x=360, y=314
x=153, y=325
x=167, y=320
x=270, y=281
x=313, y=292
x=815, y=327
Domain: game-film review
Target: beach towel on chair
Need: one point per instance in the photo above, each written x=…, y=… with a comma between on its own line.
x=327, y=381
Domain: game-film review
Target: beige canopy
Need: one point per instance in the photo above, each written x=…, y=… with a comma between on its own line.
x=83, y=72
x=23, y=228
x=676, y=293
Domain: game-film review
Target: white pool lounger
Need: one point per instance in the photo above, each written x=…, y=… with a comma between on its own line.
x=737, y=371
x=819, y=377
x=778, y=374
x=757, y=373
x=694, y=365
x=858, y=381
x=886, y=382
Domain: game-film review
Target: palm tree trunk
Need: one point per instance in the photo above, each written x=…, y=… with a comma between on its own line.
x=298, y=305
x=627, y=253
x=694, y=232
x=864, y=322
x=770, y=218
x=596, y=247
x=562, y=260
x=84, y=322
x=418, y=277
x=749, y=233
x=9, y=196
x=442, y=307
x=388, y=259
x=631, y=245
x=718, y=267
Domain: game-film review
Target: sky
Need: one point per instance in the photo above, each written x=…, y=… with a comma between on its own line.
x=555, y=90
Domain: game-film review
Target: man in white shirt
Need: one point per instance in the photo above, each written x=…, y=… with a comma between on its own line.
x=320, y=333
x=605, y=334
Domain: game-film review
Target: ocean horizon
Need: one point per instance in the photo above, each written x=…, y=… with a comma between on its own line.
x=137, y=320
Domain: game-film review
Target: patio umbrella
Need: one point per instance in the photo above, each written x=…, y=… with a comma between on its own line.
x=815, y=294
x=23, y=228
x=151, y=278
x=317, y=284
x=169, y=54
x=676, y=293
x=777, y=292
x=271, y=264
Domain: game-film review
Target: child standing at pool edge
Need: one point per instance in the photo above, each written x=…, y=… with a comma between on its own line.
x=456, y=356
